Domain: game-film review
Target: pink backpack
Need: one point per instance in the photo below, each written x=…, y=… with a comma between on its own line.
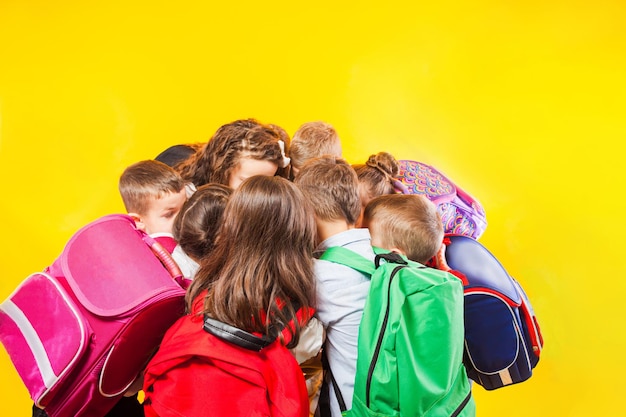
x=80, y=332
x=460, y=212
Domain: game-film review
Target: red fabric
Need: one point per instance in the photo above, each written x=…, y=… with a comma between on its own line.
x=195, y=373
x=168, y=242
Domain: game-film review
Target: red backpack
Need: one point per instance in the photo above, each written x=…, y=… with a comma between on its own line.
x=206, y=367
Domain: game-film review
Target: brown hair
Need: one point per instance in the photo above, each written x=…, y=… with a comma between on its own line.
x=376, y=176
x=409, y=222
x=196, y=224
x=146, y=180
x=261, y=269
x=331, y=184
x=311, y=140
x=214, y=162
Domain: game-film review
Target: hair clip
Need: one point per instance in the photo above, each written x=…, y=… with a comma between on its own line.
x=190, y=188
x=400, y=187
x=285, y=160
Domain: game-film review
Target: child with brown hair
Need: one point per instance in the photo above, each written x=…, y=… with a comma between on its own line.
x=257, y=280
x=376, y=177
x=311, y=140
x=236, y=151
x=331, y=184
x=196, y=225
x=153, y=194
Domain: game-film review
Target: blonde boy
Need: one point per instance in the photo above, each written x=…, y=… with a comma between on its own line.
x=311, y=140
x=406, y=224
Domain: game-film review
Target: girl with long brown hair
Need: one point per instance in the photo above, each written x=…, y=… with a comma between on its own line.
x=256, y=284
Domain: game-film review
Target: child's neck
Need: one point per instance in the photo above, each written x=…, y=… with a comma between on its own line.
x=326, y=229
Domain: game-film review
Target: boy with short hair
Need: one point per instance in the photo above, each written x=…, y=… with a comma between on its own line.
x=153, y=194
x=331, y=184
x=312, y=140
x=410, y=225
x=406, y=224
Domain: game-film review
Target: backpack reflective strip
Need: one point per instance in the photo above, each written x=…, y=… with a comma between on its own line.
x=32, y=339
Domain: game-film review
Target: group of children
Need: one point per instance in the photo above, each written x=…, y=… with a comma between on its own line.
x=246, y=217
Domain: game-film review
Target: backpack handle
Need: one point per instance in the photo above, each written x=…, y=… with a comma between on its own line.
x=166, y=259
x=235, y=335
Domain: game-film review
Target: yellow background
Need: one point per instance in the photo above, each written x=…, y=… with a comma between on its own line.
x=520, y=102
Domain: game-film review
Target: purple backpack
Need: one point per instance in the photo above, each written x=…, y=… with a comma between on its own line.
x=80, y=332
x=460, y=213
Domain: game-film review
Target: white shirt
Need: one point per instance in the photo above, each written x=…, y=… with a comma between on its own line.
x=187, y=266
x=341, y=294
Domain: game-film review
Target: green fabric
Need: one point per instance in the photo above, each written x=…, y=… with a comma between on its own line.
x=419, y=370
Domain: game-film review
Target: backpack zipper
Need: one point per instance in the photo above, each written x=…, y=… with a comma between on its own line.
x=379, y=342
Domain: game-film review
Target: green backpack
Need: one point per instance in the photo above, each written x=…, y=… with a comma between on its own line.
x=410, y=345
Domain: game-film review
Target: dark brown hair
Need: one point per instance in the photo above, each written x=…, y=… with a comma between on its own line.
x=261, y=269
x=331, y=184
x=197, y=223
x=214, y=162
x=409, y=222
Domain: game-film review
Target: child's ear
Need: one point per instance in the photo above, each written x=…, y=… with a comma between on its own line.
x=396, y=250
x=138, y=222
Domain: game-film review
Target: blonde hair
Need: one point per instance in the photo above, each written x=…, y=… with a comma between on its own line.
x=376, y=176
x=409, y=222
x=311, y=140
x=146, y=180
x=331, y=184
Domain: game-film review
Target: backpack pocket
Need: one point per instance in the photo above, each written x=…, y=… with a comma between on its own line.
x=44, y=334
x=496, y=353
x=138, y=342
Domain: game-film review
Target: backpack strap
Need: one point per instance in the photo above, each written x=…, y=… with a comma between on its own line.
x=324, y=399
x=235, y=335
x=349, y=258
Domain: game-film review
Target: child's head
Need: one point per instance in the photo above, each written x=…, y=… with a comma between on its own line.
x=376, y=176
x=260, y=269
x=331, y=184
x=197, y=223
x=177, y=154
x=408, y=224
x=311, y=140
x=153, y=194
x=236, y=151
